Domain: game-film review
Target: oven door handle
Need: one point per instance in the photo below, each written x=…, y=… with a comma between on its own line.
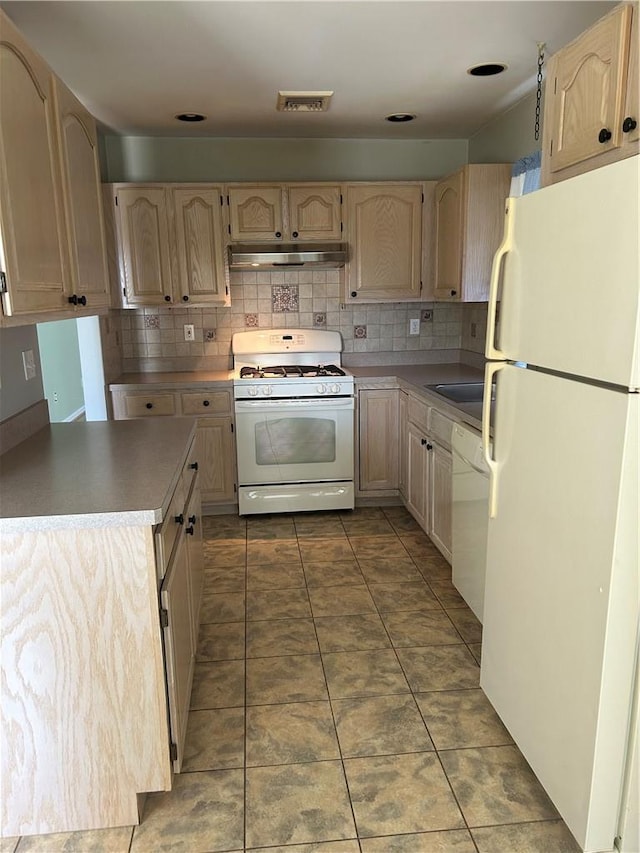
x=280, y=403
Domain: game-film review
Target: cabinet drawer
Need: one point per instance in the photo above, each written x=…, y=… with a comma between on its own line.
x=168, y=530
x=206, y=402
x=418, y=412
x=145, y=405
x=440, y=428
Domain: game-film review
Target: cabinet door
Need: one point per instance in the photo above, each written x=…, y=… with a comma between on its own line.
x=449, y=216
x=418, y=458
x=200, y=246
x=255, y=213
x=193, y=533
x=384, y=227
x=632, y=105
x=144, y=244
x=179, y=647
x=588, y=91
x=440, y=494
x=217, y=460
x=31, y=213
x=83, y=199
x=315, y=213
x=403, y=405
x=378, y=420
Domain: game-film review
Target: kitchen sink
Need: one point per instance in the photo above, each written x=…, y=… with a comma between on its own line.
x=461, y=392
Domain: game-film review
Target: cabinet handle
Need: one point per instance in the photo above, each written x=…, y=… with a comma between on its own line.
x=629, y=124
x=194, y=466
x=192, y=519
x=278, y=234
x=167, y=299
x=185, y=298
x=295, y=234
x=429, y=446
x=82, y=300
x=206, y=403
x=73, y=299
x=149, y=405
x=354, y=294
x=453, y=292
x=423, y=441
x=604, y=135
x=179, y=519
x=189, y=530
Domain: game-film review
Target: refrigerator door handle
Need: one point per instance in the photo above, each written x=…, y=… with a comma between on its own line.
x=491, y=350
x=490, y=370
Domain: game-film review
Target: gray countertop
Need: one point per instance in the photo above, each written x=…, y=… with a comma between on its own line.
x=101, y=474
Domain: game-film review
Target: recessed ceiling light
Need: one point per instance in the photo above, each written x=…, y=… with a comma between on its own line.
x=190, y=117
x=400, y=117
x=486, y=69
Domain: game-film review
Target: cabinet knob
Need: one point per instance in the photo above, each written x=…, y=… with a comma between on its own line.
x=295, y=234
x=185, y=298
x=189, y=530
x=149, y=405
x=167, y=299
x=73, y=299
x=629, y=124
x=354, y=294
x=278, y=234
x=453, y=292
x=429, y=446
x=82, y=300
x=179, y=519
x=423, y=441
x=604, y=135
x=192, y=519
x=194, y=466
x=206, y=403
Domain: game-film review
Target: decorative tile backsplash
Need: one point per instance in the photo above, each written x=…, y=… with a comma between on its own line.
x=153, y=338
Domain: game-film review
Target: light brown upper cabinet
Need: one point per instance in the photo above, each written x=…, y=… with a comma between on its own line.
x=384, y=230
x=469, y=218
x=82, y=201
x=171, y=244
x=284, y=212
x=591, y=99
x=31, y=207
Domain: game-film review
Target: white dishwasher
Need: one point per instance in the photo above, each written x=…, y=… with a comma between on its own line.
x=470, y=516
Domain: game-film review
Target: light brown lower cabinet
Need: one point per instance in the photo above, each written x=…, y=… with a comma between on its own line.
x=378, y=411
x=215, y=434
x=428, y=462
x=98, y=641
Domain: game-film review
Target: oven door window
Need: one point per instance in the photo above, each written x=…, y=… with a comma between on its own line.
x=295, y=440
x=280, y=442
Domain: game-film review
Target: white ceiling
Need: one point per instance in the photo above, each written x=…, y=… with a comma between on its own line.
x=136, y=64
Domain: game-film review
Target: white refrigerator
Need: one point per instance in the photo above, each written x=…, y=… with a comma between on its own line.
x=560, y=643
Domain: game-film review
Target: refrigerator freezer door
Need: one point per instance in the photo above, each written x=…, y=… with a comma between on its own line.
x=570, y=272
x=561, y=595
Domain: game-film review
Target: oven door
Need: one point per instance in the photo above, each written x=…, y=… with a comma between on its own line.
x=302, y=440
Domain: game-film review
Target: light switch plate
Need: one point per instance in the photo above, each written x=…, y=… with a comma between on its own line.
x=189, y=332
x=29, y=364
x=414, y=327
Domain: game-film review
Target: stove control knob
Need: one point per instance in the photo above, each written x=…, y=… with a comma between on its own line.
x=321, y=389
x=267, y=390
x=335, y=388
x=253, y=391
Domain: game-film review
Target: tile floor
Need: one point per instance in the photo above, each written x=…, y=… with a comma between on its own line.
x=336, y=706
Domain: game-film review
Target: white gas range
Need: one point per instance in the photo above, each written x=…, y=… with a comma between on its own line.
x=294, y=406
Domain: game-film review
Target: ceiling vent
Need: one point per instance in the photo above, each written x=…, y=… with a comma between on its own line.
x=303, y=102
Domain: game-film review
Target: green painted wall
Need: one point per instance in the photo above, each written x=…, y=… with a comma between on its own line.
x=508, y=137
x=61, y=373
x=145, y=158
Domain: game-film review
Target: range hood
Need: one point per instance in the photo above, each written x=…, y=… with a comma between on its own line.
x=324, y=256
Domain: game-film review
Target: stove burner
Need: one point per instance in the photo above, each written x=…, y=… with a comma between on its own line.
x=290, y=371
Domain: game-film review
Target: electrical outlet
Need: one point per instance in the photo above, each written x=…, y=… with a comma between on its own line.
x=189, y=332
x=29, y=364
x=414, y=327
x=55, y=396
